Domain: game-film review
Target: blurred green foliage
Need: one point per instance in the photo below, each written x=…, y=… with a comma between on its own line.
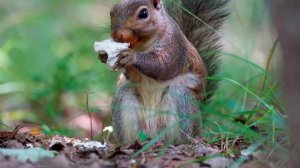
x=46, y=53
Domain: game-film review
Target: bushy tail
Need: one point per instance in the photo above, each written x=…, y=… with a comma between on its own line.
x=201, y=33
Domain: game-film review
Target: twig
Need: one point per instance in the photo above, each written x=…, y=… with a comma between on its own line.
x=5, y=126
x=90, y=115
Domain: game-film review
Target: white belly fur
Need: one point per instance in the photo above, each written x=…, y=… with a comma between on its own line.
x=158, y=110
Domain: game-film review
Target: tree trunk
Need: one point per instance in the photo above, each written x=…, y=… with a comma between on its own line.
x=286, y=15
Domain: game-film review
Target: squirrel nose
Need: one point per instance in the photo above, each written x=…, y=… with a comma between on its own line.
x=123, y=36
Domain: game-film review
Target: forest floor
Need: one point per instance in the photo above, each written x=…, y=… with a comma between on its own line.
x=24, y=150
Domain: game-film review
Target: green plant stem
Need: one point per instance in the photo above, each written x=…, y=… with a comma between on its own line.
x=270, y=56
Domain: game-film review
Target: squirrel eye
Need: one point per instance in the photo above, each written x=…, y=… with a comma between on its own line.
x=143, y=14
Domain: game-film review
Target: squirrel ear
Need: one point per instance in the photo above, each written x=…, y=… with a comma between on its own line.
x=156, y=4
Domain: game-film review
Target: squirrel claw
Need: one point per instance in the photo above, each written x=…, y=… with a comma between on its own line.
x=103, y=57
x=125, y=58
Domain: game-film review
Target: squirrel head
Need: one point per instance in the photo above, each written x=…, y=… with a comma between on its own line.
x=137, y=22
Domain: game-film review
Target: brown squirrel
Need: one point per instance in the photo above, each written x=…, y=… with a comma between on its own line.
x=165, y=75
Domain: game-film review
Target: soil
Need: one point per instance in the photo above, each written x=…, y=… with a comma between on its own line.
x=72, y=152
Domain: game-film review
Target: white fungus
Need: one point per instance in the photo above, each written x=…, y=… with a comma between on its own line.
x=112, y=49
x=109, y=129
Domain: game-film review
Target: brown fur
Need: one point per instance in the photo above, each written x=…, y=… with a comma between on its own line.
x=164, y=74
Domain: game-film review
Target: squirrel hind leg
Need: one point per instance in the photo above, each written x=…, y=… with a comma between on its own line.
x=187, y=109
x=125, y=106
x=178, y=103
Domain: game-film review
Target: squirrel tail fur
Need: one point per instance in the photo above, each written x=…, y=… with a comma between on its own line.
x=201, y=33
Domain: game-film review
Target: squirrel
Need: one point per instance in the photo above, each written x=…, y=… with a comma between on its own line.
x=171, y=54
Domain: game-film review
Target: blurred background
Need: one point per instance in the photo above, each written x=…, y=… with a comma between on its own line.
x=48, y=66
x=50, y=74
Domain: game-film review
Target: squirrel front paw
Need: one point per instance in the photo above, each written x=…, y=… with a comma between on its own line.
x=126, y=58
